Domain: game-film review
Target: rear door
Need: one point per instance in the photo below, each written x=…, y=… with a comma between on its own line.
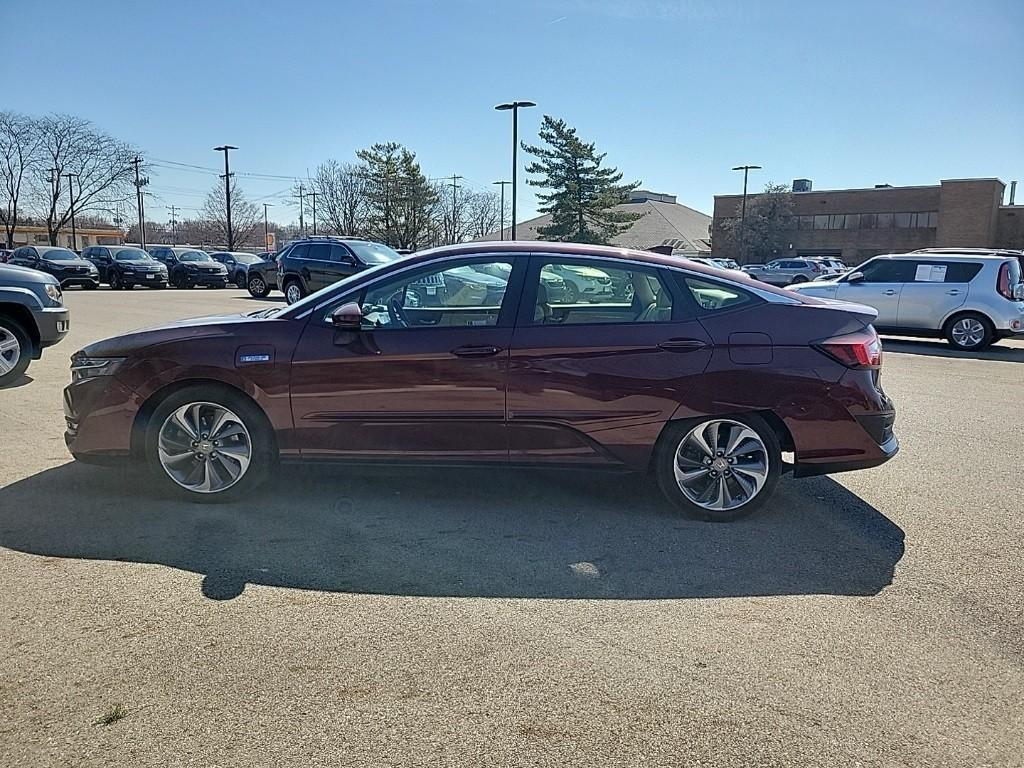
x=881, y=287
x=593, y=383
x=936, y=289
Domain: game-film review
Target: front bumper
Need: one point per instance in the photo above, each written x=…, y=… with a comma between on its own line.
x=99, y=413
x=203, y=278
x=53, y=323
x=145, y=278
x=81, y=282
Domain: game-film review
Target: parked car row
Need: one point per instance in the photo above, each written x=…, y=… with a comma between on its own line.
x=795, y=271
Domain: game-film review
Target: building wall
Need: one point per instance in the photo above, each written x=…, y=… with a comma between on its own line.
x=1010, y=227
x=968, y=215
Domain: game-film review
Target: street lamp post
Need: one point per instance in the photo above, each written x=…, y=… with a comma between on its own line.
x=71, y=197
x=501, y=214
x=743, y=210
x=514, y=106
x=225, y=148
x=266, y=226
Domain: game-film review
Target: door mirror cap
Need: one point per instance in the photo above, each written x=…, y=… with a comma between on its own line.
x=855, y=277
x=347, y=317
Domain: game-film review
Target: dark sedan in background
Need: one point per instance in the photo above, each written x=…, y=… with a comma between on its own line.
x=703, y=378
x=68, y=267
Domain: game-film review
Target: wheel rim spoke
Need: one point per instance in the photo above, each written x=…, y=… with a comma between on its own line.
x=727, y=482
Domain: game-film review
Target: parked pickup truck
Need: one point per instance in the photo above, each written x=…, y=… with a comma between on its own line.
x=32, y=317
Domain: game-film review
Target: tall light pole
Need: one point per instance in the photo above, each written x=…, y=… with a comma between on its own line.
x=313, y=193
x=266, y=226
x=140, y=182
x=501, y=215
x=743, y=210
x=71, y=197
x=514, y=106
x=225, y=148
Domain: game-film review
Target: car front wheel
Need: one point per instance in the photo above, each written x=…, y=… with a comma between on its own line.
x=258, y=287
x=15, y=351
x=719, y=469
x=209, y=443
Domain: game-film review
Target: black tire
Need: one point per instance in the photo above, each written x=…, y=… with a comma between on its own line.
x=987, y=337
x=116, y=284
x=91, y=286
x=664, y=467
x=129, y=286
x=798, y=279
x=263, y=445
x=290, y=283
x=258, y=287
x=15, y=329
x=572, y=292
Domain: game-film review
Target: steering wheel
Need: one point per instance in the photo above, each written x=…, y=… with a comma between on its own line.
x=396, y=312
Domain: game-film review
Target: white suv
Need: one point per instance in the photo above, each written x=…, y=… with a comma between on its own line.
x=970, y=299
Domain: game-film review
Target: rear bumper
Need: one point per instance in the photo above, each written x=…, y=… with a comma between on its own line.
x=886, y=451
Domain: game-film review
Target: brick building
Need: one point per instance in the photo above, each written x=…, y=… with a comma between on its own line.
x=855, y=224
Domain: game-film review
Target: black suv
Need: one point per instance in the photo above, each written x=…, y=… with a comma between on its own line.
x=313, y=263
x=67, y=266
x=123, y=266
x=188, y=267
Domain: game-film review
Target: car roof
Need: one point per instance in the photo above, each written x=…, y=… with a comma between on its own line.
x=917, y=255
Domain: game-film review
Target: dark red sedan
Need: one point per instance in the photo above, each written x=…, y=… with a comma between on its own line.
x=465, y=354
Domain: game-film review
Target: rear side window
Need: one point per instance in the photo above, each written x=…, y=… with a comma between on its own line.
x=944, y=271
x=716, y=296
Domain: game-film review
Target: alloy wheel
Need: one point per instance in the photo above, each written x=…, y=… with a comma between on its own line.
x=10, y=351
x=204, y=447
x=968, y=332
x=257, y=286
x=293, y=293
x=721, y=465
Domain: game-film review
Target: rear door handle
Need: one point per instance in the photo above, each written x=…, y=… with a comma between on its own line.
x=682, y=345
x=953, y=292
x=470, y=351
x=889, y=292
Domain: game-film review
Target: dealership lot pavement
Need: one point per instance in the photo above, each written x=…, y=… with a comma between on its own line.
x=348, y=617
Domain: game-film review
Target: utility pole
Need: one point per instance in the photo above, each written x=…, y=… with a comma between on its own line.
x=140, y=182
x=501, y=215
x=226, y=148
x=313, y=195
x=266, y=226
x=71, y=197
x=174, y=225
x=302, y=197
x=455, y=209
x=743, y=210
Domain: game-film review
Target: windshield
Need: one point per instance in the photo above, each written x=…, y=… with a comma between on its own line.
x=195, y=256
x=247, y=258
x=60, y=254
x=133, y=254
x=373, y=253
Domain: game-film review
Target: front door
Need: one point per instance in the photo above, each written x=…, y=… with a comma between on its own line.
x=594, y=381
x=417, y=381
x=880, y=288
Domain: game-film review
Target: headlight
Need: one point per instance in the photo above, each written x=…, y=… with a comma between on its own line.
x=53, y=291
x=83, y=367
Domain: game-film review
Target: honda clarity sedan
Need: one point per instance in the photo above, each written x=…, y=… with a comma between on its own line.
x=704, y=378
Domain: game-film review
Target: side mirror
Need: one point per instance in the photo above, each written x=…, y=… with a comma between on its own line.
x=855, y=277
x=347, y=317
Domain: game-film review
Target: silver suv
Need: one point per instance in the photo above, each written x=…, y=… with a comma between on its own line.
x=787, y=271
x=971, y=300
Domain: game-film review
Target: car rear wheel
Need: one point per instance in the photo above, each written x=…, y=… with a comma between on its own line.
x=798, y=279
x=209, y=443
x=970, y=332
x=293, y=291
x=15, y=351
x=258, y=287
x=719, y=469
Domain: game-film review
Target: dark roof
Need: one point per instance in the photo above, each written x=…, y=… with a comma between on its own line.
x=660, y=223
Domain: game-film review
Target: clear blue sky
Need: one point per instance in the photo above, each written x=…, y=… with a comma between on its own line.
x=847, y=94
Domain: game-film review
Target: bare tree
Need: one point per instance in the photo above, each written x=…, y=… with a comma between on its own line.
x=341, y=197
x=245, y=216
x=482, y=211
x=99, y=164
x=20, y=144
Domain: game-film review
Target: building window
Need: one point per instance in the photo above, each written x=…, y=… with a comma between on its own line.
x=885, y=221
x=902, y=220
x=853, y=221
x=805, y=222
x=868, y=220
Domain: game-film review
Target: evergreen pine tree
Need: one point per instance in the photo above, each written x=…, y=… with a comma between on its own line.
x=583, y=193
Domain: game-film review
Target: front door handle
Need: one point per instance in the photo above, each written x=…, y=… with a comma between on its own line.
x=470, y=351
x=682, y=345
x=954, y=292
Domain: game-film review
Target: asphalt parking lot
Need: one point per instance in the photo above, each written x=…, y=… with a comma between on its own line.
x=516, y=618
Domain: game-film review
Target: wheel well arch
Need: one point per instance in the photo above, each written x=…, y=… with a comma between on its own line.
x=145, y=412
x=23, y=317
x=772, y=419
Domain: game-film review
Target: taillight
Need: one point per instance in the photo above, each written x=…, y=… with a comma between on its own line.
x=861, y=349
x=1003, y=281
x=815, y=268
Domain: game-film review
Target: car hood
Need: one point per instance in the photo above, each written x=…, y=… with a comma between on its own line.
x=134, y=342
x=64, y=263
x=11, y=274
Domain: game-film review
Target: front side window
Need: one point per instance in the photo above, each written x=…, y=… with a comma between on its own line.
x=887, y=271
x=583, y=294
x=457, y=295
x=716, y=296
x=320, y=252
